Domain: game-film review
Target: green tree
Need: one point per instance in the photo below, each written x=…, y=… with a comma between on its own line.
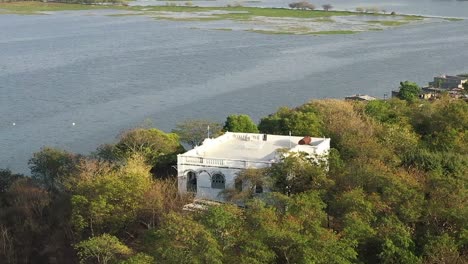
x=240, y=123
x=392, y=111
x=296, y=173
x=101, y=249
x=302, y=121
x=442, y=249
x=53, y=167
x=248, y=183
x=409, y=91
x=139, y=258
x=443, y=124
x=293, y=228
x=397, y=245
x=183, y=240
x=226, y=223
x=158, y=148
x=106, y=199
x=193, y=132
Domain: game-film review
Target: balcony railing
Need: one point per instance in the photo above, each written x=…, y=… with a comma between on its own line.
x=229, y=163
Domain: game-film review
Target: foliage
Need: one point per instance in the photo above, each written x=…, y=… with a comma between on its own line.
x=296, y=174
x=409, y=91
x=443, y=125
x=102, y=249
x=240, y=123
x=183, y=240
x=327, y=7
x=442, y=249
x=248, y=183
x=158, y=148
x=193, y=132
x=22, y=215
x=105, y=199
x=7, y=178
x=53, y=167
x=393, y=190
x=159, y=199
x=300, y=122
x=304, y=5
x=139, y=258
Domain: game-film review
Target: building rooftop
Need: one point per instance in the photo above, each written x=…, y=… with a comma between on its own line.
x=255, y=147
x=360, y=97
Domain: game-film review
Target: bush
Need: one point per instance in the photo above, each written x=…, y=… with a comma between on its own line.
x=327, y=7
x=372, y=10
x=304, y=5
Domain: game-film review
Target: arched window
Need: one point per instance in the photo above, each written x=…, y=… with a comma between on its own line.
x=218, y=181
x=191, y=181
x=258, y=188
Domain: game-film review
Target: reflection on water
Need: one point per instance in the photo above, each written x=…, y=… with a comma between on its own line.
x=74, y=80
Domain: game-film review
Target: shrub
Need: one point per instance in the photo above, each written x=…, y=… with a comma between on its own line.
x=304, y=5
x=327, y=7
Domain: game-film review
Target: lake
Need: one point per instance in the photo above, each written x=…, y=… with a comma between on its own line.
x=75, y=80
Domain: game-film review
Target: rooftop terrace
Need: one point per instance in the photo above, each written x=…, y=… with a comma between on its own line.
x=254, y=147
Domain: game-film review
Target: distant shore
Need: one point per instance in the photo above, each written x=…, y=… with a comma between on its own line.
x=250, y=19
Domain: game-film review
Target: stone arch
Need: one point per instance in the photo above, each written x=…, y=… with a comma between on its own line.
x=218, y=181
x=191, y=181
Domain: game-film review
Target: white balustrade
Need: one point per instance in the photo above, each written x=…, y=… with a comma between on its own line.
x=230, y=163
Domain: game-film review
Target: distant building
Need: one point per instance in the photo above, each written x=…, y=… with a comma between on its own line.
x=209, y=169
x=444, y=84
x=360, y=97
x=448, y=82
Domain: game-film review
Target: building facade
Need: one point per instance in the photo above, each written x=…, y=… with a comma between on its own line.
x=209, y=169
x=448, y=82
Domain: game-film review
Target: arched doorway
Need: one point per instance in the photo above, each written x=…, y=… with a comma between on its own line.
x=191, y=181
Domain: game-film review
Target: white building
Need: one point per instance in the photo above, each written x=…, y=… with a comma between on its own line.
x=210, y=168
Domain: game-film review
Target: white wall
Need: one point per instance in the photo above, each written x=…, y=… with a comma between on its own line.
x=204, y=190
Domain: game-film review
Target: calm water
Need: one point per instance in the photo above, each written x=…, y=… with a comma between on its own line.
x=107, y=74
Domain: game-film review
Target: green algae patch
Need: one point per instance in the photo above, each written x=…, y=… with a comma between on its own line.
x=243, y=12
x=270, y=32
x=412, y=18
x=334, y=32
x=224, y=29
x=453, y=19
x=388, y=23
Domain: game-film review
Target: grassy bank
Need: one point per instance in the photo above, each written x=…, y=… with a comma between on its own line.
x=240, y=12
x=38, y=7
x=249, y=11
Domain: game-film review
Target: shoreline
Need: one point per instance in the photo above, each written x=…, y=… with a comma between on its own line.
x=263, y=20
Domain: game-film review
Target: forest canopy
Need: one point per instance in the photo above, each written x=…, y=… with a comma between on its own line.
x=394, y=192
